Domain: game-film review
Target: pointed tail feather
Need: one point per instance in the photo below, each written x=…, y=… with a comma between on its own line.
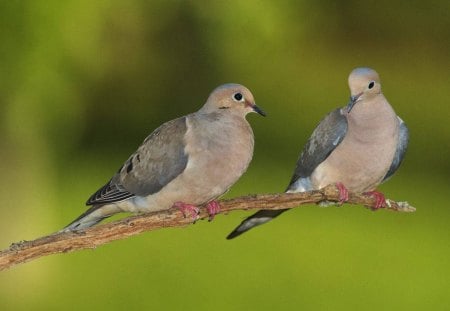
x=92, y=216
x=259, y=218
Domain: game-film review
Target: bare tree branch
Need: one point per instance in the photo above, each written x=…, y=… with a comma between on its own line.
x=64, y=242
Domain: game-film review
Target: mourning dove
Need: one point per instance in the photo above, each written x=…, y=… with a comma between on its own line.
x=185, y=162
x=356, y=147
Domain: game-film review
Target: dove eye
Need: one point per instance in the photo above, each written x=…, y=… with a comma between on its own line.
x=238, y=97
x=371, y=84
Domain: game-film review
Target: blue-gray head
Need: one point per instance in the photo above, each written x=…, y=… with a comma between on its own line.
x=364, y=83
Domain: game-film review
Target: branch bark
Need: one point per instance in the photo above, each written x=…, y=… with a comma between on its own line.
x=64, y=242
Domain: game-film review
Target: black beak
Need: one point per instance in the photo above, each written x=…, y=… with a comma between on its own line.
x=258, y=110
x=352, y=102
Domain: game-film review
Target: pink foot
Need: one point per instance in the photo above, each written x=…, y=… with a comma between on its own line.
x=380, y=200
x=343, y=192
x=188, y=209
x=213, y=208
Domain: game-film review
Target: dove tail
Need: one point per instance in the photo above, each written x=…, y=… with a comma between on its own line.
x=92, y=216
x=259, y=218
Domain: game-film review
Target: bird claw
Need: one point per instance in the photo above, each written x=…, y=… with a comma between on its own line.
x=343, y=192
x=213, y=209
x=380, y=200
x=188, y=209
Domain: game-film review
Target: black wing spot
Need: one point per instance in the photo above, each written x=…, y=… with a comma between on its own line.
x=130, y=167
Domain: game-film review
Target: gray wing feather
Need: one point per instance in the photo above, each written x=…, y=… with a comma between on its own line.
x=403, y=138
x=109, y=193
x=325, y=138
x=157, y=161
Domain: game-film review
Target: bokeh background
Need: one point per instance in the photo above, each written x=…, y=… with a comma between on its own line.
x=82, y=83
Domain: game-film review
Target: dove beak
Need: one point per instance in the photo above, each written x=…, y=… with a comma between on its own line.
x=353, y=100
x=258, y=110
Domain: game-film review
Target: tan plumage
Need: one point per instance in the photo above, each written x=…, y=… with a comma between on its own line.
x=192, y=159
x=358, y=146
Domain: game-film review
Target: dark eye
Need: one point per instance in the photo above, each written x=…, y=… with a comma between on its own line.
x=238, y=96
x=371, y=84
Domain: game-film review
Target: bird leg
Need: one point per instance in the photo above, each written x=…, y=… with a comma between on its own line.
x=213, y=208
x=343, y=192
x=188, y=209
x=380, y=200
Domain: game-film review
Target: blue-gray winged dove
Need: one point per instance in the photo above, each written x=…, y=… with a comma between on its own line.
x=356, y=147
x=185, y=162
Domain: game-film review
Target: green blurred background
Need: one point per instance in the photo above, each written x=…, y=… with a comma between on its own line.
x=83, y=82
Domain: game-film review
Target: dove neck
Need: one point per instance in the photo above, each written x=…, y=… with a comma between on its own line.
x=371, y=113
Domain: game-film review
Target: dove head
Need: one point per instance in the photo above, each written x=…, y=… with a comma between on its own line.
x=233, y=99
x=364, y=84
